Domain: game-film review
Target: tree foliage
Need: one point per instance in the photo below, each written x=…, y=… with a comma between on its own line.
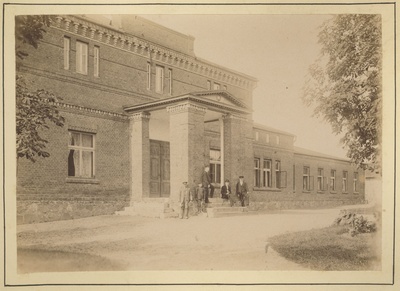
x=344, y=84
x=34, y=108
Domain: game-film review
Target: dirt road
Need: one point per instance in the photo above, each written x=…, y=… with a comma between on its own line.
x=137, y=243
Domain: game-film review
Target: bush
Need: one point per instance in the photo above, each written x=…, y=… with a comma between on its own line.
x=356, y=223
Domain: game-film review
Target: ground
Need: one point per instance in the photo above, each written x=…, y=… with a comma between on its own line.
x=138, y=243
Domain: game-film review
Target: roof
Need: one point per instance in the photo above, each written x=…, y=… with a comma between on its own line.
x=268, y=128
x=307, y=152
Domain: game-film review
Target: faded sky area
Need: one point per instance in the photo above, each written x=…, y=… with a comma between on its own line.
x=277, y=50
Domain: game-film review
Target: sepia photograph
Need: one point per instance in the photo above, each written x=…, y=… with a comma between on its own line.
x=173, y=144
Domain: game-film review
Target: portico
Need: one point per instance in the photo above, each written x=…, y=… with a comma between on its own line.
x=170, y=144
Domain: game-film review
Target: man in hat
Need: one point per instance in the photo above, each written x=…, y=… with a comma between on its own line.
x=242, y=191
x=226, y=193
x=184, y=198
x=208, y=187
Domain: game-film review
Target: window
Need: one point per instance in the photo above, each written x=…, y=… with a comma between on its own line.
x=170, y=81
x=225, y=88
x=321, y=180
x=267, y=175
x=81, y=57
x=257, y=135
x=215, y=166
x=208, y=85
x=355, y=182
x=217, y=86
x=277, y=174
x=277, y=139
x=159, y=79
x=333, y=180
x=307, y=181
x=148, y=76
x=344, y=182
x=256, y=172
x=67, y=48
x=267, y=138
x=96, y=61
x=81, y=155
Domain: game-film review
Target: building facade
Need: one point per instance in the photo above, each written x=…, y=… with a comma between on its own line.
x=143, y=114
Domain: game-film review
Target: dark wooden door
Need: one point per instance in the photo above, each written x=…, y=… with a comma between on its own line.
x=159, y=169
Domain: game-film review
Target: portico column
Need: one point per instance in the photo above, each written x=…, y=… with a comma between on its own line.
x=238, y=148
x=140, y=155
x=186, y=146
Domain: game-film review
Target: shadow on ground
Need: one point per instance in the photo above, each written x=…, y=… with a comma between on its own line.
x=34, y=261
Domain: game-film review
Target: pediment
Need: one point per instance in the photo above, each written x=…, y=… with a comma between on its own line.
x=221, y=97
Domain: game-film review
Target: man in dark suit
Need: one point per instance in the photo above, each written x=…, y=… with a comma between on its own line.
x=208, y=187
x=226, y=193
x=242, y=191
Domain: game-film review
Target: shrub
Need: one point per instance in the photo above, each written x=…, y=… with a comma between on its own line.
x=356, y=223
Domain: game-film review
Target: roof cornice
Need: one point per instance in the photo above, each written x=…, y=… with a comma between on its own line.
x=222, y=107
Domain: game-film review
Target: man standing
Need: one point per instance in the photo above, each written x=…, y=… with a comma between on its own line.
x=208, y=187
x=242, y=191
x=184, y=198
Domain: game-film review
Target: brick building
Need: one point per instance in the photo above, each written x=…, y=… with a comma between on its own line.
x=143, y=114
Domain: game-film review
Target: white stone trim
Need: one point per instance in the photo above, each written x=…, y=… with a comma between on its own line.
x=139, y=116
x=235, y=117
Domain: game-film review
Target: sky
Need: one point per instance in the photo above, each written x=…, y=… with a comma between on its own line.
x=277, y=50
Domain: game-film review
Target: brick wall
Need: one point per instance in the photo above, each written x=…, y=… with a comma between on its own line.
x=122, y=74
x=45, y=184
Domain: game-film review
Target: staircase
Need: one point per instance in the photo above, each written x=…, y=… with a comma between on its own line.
x=221, y=208
x=150, y=207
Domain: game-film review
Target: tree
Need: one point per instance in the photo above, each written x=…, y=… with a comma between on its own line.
x=344, y=84
x=34, y=109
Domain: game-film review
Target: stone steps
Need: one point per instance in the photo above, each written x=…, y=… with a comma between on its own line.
x=220, y=208
x=150, y=207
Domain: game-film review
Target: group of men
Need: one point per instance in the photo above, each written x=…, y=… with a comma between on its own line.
x=205, y=190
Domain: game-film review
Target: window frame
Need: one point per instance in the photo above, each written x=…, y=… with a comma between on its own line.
x=320, y=179
x=96, y=61
x=216, y=165
x=80, y=148
x=278, y=140
x=82, y=59
x=307, y=178
x=216, y=86
x=257, y=172
x=345, y=178
x=332, y=185
x=67, y=52
x=267, y=173
x=148, y=76
x=159, y=88
x=355, y=182
x=170, y=81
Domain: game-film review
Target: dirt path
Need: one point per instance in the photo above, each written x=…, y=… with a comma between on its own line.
x=199, y=243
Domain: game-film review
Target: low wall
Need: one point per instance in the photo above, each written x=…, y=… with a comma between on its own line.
x=264, y=200
x=41, y=209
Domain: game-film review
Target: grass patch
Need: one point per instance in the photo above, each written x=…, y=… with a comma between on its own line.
x=330, y=248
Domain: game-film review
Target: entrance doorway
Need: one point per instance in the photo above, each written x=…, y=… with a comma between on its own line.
x=159, y=169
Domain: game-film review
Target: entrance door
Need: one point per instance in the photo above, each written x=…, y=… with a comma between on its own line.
x=159, y=169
